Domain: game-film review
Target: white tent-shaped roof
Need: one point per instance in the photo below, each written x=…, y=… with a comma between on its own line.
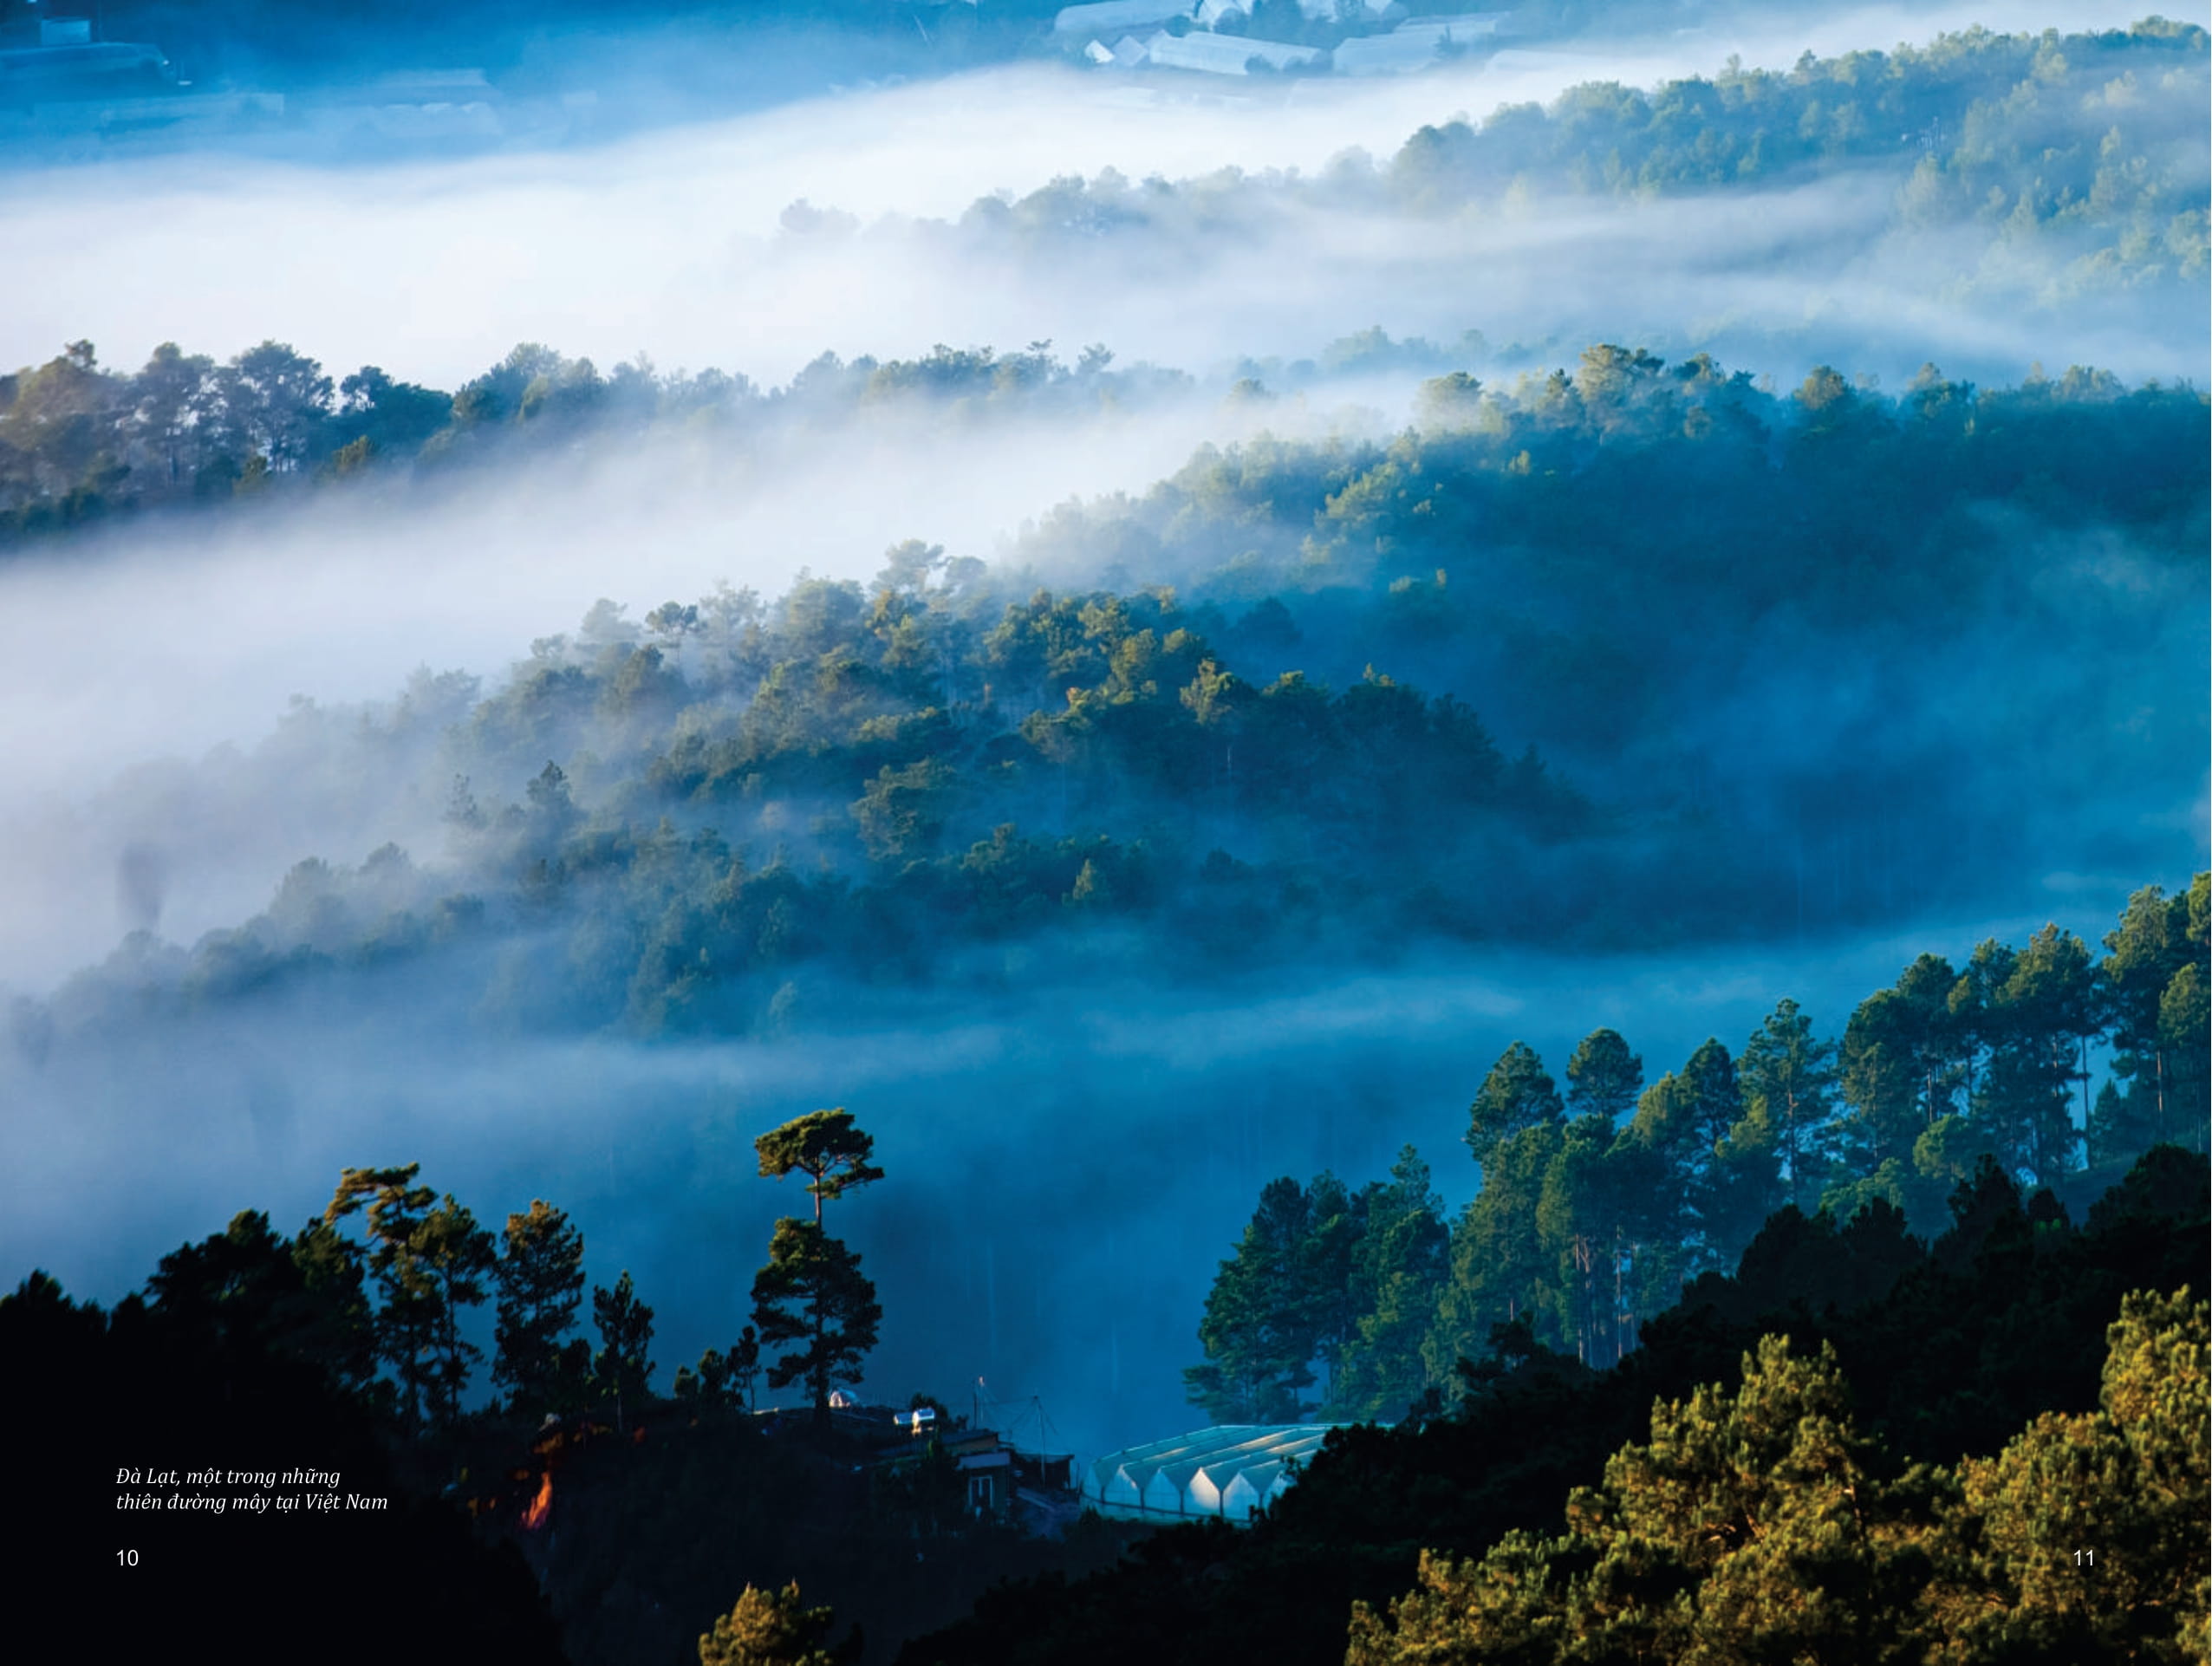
x=1227, y=1470
x=1415, y=43
x=1260, y=1484
x=1227, y=54
x=1116, y=1492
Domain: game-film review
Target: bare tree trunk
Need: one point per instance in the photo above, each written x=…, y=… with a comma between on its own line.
x=1619, y=1341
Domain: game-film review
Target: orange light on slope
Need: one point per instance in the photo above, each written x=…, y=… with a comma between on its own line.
x=540, y=1506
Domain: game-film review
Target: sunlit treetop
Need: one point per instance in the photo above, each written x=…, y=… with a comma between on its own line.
x=825, y=1145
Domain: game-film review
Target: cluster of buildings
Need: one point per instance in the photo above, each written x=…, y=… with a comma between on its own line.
x=63, y=61
x=1140, y=34
x=60, y=77
x=1228, y=1472
x=998, y=1479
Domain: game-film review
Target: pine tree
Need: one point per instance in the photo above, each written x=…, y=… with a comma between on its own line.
x=1398, y=1269
x=745, y=1366
x=342, y=1333
x=1710, y=1177
x=2142, y=953
x=458, y=1257
x=769, y=1628
x=2184, y=1023
x=1751, y=1526
x=410, y=1317
x=1576, y=1223
x=2084, y=1538
x=1603, y=1077
x=541, y=1286
x=812, y=1292
x=1757, y=1523
x=1517, y=1094
x=252, y=1290
x=1788, y=1077
x=1500, y=1268
x=825, y=1146
x=1902, y=1061
x=1259, y=1330
x=2042, y=1016
x=622, y=1369
x=1594, y=1195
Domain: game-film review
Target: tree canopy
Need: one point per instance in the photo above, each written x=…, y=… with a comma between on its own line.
x=826, y=1146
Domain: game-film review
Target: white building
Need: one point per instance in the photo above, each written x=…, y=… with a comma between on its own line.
x=1415, y=43
x=1464, y=25
x=1227, y=1470
x=1384, y=54
x=1229, y=55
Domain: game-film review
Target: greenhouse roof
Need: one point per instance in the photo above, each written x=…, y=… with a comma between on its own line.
x=1226, y=1471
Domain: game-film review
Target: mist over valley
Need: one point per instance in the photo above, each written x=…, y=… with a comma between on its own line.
x=1583, y=668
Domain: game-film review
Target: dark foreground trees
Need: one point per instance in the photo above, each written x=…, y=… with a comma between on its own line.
x=1762, y=1525
x=242, y=1357
x=769, y=1628
x=622, y=1369
x=431, y=1260
x=1948, y=1349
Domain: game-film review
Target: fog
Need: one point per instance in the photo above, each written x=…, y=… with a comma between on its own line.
x=1066, y=1167
x=321, y=608
x=1064, y=1172
x=670, y=243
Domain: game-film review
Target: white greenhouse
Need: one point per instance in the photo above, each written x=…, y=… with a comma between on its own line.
x=1229, y=55
x=1227, y=1470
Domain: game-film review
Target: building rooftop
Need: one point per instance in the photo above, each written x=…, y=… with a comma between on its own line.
x=1227, y=1470
x=1229, y=55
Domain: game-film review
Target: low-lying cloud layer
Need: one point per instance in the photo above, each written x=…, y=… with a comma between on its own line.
x=667, y=244
x=1065, y=1173
x=126, y=660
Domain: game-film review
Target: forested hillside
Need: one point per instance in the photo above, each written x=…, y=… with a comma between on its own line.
x=693, y=820
x=1600, y=1205
x=81, y=445
x=2068, y=159
x=2035, y=169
